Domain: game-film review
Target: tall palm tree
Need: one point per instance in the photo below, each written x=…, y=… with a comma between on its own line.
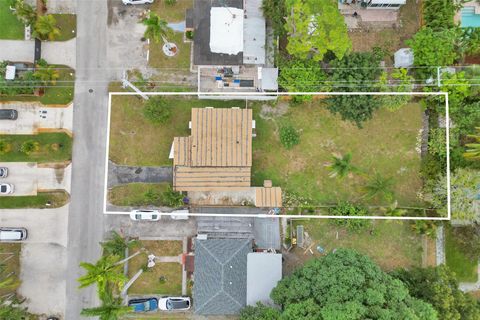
x=157, y=28
x=111, y=309
x=46, y=28
x=105, y=271
x=473, y=151
x=47, y=75
x=117, y=245
x=342, y=166
x=380, y=186
x=393, y=210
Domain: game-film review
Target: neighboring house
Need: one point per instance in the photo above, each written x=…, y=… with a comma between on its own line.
x=228, y=275
x=230, y=47
x=217, y=156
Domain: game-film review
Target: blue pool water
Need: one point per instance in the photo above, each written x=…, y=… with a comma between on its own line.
x=469, y=18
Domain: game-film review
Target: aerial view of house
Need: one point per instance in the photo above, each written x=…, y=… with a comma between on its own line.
x=239, y=159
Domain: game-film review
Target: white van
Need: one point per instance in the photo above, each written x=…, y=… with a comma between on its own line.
x=180, y=214
x=13, y=234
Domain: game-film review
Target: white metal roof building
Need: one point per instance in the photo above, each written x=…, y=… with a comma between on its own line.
x=264, y=270
x=226, y=30
x=254, y=31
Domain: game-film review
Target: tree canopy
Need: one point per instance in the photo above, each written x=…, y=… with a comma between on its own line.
x=347, y=285
x=316, y=27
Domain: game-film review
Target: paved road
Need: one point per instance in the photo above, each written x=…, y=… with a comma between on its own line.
x=85, y=228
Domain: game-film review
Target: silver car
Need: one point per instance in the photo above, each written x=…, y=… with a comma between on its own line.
x=3, y=172
x=129, y=2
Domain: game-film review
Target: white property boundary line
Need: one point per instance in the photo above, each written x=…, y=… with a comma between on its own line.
x=245, y=95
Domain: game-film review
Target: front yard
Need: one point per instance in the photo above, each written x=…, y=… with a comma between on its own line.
x=42, y=147
x=67, y=23
x=165, y=277
x=386, y=145
x=42, y=200
x=391, y=244
x=137, y=194
x=10, y=27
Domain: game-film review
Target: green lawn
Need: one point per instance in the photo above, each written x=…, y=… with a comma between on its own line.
x=133, y=194
x=12, y=265
x=136, y=141
x=181, y=60
x=67, y=23
x=171, y=13
x=385, y=145
x=61, y=93
x=391, y=244
x=10, y=27
x=148, y=282
x=53, y=147
x=457, y=261
x=56, y=200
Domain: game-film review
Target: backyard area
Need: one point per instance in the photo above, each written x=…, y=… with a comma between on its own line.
x=41, y=201
x=165, y=277
x=10, y=27
x=386, y=145
x=391, y=244
x=41, y=148
x=136, y=141
x=457, y=260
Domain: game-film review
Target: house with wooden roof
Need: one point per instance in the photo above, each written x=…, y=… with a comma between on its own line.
x=217, y=156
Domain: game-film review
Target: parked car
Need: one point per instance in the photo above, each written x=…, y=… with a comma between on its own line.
x=145, y=215
x=13, y=234
x=129, y=2
x=143, y=305
x=3, y=172
x=174, y=303
x=8, y=114
x=6, y=188
x=180, y=214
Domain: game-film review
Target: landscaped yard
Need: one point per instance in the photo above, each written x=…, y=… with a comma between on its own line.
x=181, y=60
x=136, y=194
x=171, y=13
x=386, y=145
x=67, y=23
x=464, y=267
x=391, y=244
x=52, y=147
x=10, y=26
x=136, y=141
x=150, y=281
x=55, y=199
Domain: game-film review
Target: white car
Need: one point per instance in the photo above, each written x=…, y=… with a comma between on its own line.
x=174, y=303
x=13, y=234
x=129, y=2
x=145, y=215
x=180, y=214
x=6, y=188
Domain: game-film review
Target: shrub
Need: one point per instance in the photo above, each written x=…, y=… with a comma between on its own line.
x=438, y=14
x=152, y=197
x=157, y=110
x=289, y=136
x=5, y=147
x=171, y=198
x=349, y=209
x=189, y=34
x=425, y=227
x=29, y=147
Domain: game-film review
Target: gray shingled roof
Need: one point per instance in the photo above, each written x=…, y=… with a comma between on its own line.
x=266, y=232
x=220, y=286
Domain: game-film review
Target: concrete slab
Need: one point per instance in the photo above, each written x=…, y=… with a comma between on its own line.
x=28, y=178
x=17, y=50
x=33, y=116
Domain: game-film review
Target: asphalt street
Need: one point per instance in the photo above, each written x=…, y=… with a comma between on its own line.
x=85, y=227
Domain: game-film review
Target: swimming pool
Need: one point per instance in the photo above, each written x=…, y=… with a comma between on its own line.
x=469, y=18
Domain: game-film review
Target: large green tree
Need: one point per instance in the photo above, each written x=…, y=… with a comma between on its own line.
x=439, y=287
x=46, y=28
x=157, y=28
x=314, y=28
x=275, y=11
x=111, y=309
x=105, y=271
x=347, y=285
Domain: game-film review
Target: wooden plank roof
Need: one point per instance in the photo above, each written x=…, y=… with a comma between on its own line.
x=181, y=151
x=268, y=197
x=211, y=178
x=221, y=137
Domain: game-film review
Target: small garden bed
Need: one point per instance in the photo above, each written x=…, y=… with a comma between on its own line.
x=457, y=260
x=42, y=200
x=163, y=278
x=42, y=147
x=10, y=27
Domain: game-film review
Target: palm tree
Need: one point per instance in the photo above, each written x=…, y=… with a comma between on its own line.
x=47, y=75
x=342, y=166
x=111, y=309
x=105, y=271
x=157, y=28
x=473, y=151
x=380, y=186
x=46, y=28
x=117, y=245
x=393, y=210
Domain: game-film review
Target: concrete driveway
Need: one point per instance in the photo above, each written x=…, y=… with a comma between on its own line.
x=43, y=257
x=17, y=50
x=33, y=116
x=28, y=178
x=125, y=48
